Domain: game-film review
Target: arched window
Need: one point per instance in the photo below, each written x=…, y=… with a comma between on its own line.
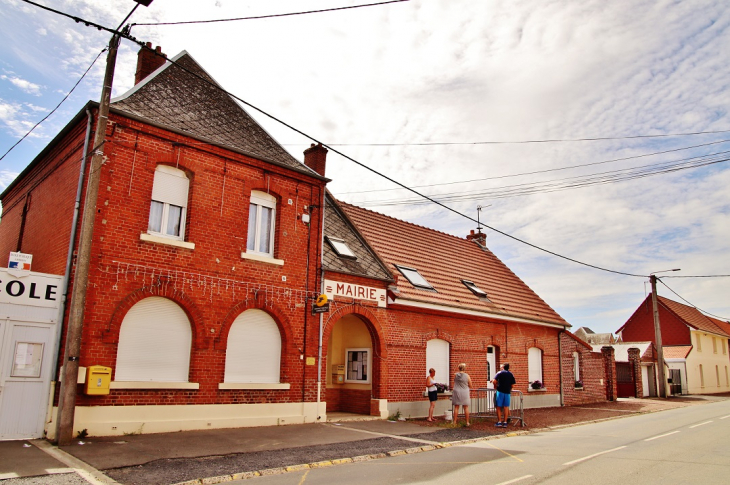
x=169, y=203
x=154, y=343
x=437, y=357
x=534, y=364
x=253, y=352
x=261, y=223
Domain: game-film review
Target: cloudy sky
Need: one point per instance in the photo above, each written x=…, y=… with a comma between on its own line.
x=444, y=96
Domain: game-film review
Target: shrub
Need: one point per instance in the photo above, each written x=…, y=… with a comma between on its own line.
x=537, y=385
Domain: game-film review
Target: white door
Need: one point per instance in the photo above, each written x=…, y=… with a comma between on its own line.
x=491, y=365
x=25, y=365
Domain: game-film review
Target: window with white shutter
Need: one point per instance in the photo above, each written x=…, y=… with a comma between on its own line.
x=253, y=353
x=576, y=366
x=169, y=203
x=154, y=343
x=534, y=364
x=437, y=358
x=261, y=223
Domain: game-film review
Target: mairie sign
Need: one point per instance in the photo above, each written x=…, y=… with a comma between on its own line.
x=358, y=292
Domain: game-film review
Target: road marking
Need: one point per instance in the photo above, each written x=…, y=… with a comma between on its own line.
x=304, y=477
x=387, y=435
x=661, y=436
x=725, y=417
x=701, y=424
x=511, y=456
x=515, y=480
x=82, y=469
x=593, y=455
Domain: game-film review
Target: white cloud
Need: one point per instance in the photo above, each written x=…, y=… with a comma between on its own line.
x=24, y=85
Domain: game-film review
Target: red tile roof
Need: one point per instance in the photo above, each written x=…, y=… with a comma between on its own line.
x=696, y=319
x=676, y=352
x=444, y=260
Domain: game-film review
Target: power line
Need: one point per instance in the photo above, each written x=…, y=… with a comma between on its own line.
x=701, y=276
x=690, y=304
x=569, y=167
x=57, y=106
x=520, y=142
x=270, y=16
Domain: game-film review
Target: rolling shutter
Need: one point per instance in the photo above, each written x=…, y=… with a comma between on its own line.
x=534, y=359
x=154, y=343
x=253, y=353
x=437, y=357
x=170, y=186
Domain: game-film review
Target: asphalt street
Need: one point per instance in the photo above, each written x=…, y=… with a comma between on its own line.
x=688, y=445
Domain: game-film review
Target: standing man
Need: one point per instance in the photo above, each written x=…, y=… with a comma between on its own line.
x=503, y=381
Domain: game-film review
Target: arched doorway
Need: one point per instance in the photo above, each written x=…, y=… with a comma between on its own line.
x=352, y=366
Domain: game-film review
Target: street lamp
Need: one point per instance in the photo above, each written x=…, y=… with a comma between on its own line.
x=658, y=333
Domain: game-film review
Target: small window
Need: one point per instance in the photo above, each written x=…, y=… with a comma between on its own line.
x=169, y=203
x=699, y=342
x=358, y=366
x=702, y=377
x=717, y=374
x=534, y=364
x=724, y=347
x=341, y=248
x=415, y=278
x=475, y=289
x=261, y=220
x=714, y=345
x=576, y=366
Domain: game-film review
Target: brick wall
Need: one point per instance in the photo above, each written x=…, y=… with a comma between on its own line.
x=609, y=368
x=592, y=373
x=640, y=327
x=635, y=361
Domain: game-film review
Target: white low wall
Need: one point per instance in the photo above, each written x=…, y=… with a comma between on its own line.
x=126, y=420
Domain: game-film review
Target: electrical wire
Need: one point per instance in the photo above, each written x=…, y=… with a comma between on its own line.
x=57, y=106
x=690, y=304
x=269, y=16
x=569, y=167
x=520, y=142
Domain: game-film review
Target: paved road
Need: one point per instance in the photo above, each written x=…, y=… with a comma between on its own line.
x=688, y=445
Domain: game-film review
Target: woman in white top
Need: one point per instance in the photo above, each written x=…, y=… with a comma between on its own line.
x=432, y=392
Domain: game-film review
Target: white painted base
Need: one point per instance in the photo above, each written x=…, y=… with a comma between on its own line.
x=126, y=420
x=418, y=409
x=540, y=400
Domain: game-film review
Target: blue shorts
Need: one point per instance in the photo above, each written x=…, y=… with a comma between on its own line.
x=502, y=400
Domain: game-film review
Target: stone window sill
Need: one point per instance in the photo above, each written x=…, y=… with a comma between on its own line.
x=254, y=385
x=261, y=258
x=166, y=241
x=153, y=385
x=445, y=393
x=542, y=389
x=579, y=388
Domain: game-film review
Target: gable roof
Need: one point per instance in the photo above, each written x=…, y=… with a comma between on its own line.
x=676, y=351
x=338, y=225
x=444, y=261
x=175, y=98
x=694, y=318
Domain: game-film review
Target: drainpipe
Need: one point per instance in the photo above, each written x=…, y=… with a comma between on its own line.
x=321, y=316
x=69, y=256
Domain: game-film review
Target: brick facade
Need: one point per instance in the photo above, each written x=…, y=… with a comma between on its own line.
x=592, y=373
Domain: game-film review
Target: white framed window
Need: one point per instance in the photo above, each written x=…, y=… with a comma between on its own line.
x=534, y=364
x=261, y=224
x=154, y=343
x=358, y=365
x=491, y=365
x=253, y=352
x=341, y=247
x=415, y=278
x=169, y=203
x=437, y=358
x=576, y=366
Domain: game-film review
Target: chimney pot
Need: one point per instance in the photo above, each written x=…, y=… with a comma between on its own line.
x=148, y=62
x=315, y=157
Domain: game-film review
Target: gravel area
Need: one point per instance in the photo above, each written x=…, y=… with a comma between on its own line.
x=58, y=479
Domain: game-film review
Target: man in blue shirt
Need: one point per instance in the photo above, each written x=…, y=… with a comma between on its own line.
x=503, y=381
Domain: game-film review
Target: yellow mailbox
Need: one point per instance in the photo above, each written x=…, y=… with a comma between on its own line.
x=338, y=374
x=97, y=379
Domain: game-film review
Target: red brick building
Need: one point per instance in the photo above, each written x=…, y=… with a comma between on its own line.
x=208, y=251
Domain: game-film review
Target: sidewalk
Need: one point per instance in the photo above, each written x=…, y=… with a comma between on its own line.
x=168, y=458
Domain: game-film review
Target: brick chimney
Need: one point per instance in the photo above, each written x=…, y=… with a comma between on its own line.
x=148, y=62
x=315, y=157
x=479, y=238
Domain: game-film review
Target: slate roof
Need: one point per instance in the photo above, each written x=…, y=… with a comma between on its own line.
x=676, y=351
x=592, y=337
x=174, y=98
x=338, y=225
x=694, y=318
x=445, y=260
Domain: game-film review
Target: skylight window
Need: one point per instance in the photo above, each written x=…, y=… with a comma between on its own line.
x=341, y=248
x=475, y=289
x=415, y=278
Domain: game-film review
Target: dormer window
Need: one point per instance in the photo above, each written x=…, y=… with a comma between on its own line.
x=475, y=289
x=415, y=278
x=341, y=248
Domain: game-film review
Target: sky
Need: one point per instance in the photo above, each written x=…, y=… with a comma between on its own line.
x=458, y=99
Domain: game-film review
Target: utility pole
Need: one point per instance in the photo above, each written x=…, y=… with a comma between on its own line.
x=658, y=334
x=67, y=396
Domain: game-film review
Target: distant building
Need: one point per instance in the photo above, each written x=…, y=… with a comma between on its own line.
x=588, y=335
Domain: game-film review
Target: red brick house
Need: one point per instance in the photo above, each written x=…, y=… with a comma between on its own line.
x=208, y=251
x=199, y=283
x=696, y=346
